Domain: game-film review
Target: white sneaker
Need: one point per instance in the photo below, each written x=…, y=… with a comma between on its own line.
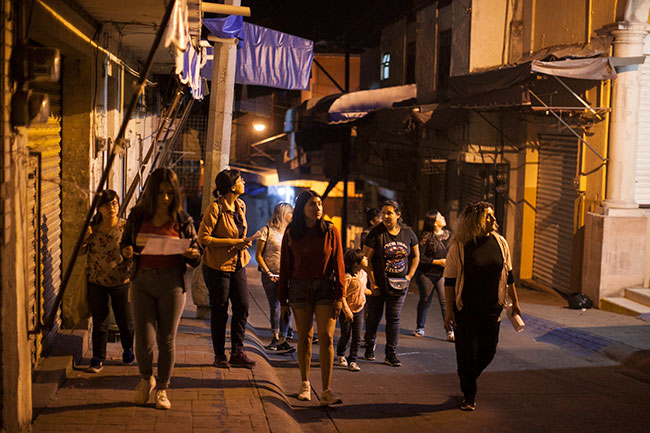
x=354, y=366
x=144, y=389
x=305, y=391
x=450, y=336
x=328, y=398
x=341, y=361
x=162, y=402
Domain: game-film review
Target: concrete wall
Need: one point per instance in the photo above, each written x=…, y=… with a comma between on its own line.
x=460, y=37
x=611, y=266
x=16, y=363
x=426, y=49
x=489, y=35
x=334, y=64
x=393, y=40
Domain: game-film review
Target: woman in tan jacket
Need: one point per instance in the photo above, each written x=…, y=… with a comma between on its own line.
x=222, y=235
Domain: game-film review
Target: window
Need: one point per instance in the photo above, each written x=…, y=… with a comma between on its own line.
x=385, y=66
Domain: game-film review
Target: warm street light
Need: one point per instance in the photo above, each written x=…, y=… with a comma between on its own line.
x=259, y=127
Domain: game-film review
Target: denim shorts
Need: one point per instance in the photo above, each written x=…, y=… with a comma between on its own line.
x=303, y=293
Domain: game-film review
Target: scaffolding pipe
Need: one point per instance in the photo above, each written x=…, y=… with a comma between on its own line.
x=49, y=323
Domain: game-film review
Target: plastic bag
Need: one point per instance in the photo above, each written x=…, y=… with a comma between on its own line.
x=578, y=301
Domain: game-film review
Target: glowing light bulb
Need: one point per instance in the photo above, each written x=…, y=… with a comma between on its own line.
x=259, y=127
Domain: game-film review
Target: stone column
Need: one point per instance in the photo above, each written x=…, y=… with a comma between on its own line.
x=615, y=238
x=621, y=168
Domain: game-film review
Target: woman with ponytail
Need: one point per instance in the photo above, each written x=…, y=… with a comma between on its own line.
x=222, y=235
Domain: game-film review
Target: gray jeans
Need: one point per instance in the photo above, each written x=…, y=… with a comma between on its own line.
x=158, y=302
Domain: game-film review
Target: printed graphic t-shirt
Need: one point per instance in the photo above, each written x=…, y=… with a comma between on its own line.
x=391, y=256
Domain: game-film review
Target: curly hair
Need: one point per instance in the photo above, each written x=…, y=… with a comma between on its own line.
x=471, y=223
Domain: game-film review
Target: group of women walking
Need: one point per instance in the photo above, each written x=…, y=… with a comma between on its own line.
x=304, y=274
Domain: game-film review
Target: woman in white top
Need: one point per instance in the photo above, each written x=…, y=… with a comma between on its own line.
x=268, y=258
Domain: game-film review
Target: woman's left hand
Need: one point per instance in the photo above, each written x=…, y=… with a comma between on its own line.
x=337, y=305
x=191, y=253
x=408, y=277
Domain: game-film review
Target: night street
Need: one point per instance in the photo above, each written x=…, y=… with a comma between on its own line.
x=178, y=175
x=531, y=386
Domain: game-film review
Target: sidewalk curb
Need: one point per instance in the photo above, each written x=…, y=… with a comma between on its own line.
x=625, y=354
x=279, y=412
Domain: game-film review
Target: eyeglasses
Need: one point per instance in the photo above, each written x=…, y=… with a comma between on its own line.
x=113, y=203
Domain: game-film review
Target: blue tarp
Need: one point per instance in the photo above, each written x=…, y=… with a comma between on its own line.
x=226, y=28
x=267, y=57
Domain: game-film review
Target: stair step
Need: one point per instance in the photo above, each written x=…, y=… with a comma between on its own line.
x=640, y=295
x=623, y=306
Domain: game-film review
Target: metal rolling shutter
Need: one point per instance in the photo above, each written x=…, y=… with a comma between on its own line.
x=45, y=139
x=554, y=221
x=472, y=184
x=642, y=184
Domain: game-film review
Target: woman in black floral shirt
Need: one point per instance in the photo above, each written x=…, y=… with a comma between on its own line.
x=108, y=276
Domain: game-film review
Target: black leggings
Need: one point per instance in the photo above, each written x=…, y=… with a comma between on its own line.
x=477, y=335
x=98, y=298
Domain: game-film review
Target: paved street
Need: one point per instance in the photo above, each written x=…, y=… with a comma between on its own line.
x=549, y=378
x=531, y=386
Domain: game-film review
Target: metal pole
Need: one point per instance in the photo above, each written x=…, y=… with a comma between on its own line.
x=49, y=323
x=345, y=156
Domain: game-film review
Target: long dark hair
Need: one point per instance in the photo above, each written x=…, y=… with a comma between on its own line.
x=430, y=220
x=224, y=182
x=147, y=202
x=297, y=226
x=106, y=196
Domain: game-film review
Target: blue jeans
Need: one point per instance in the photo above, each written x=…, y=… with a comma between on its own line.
x=429, y=284
x=350, y=329
x=271, y=290
x=375, y=306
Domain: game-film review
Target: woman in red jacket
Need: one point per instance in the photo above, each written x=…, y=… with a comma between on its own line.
x=311, y=282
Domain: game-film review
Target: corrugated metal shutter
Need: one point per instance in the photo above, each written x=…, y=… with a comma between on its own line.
x=45, y=139
x=642, y=185
x=554, y=221
x=32, y=291
x=473, y=184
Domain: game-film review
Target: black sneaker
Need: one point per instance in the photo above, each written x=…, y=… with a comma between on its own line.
x=314, y=340
x=467, y=405
x=392, y=360
x=274, y=345
x=96, y=365
x=369, y=355
x=128, y=357
x=285, y=348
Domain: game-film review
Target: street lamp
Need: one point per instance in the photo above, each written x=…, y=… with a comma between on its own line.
x=259, y=127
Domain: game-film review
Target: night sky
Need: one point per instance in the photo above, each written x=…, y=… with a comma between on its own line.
x=332, y=21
